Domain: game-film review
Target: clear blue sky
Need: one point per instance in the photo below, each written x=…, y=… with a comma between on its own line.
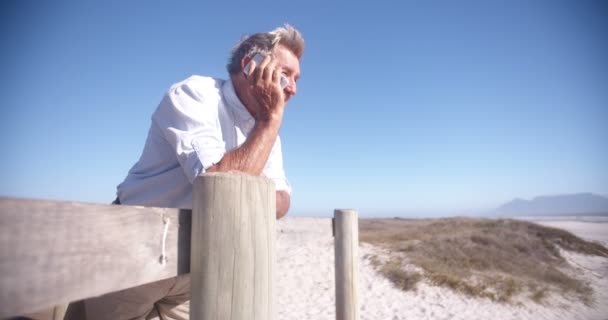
x=403, y=108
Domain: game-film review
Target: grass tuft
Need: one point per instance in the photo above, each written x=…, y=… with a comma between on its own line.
x=402, y=279
x=494, y=259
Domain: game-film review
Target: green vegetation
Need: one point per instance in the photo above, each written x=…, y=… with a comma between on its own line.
x=495, y=259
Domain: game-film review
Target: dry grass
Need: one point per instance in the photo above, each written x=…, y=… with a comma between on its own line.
x=495, y=259
x=401, y=278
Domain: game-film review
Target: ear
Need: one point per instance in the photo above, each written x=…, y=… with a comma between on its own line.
x=244, y=61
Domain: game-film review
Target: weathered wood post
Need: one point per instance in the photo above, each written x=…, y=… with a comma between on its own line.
x=346, y=231
x=232, y=256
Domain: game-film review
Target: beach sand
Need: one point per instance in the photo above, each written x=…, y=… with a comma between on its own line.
x=305, y=282
x=592, y=231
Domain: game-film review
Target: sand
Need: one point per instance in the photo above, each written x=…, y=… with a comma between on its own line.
x=592, y=231
x=305, y=282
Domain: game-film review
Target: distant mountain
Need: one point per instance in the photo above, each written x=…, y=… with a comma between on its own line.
x=568, y=204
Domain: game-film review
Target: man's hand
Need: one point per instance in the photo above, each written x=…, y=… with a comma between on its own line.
x=264, y=81
x=267, y=94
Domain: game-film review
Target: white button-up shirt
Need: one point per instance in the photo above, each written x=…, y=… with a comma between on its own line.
x=198, y=120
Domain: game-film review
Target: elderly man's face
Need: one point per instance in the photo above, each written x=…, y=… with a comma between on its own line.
x=290, y=65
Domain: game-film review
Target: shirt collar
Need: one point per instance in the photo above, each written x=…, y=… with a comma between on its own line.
x=235, y=104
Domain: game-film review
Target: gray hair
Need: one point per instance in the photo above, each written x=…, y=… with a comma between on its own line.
x=264, y=43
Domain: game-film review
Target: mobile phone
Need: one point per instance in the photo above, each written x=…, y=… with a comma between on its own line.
x=258, y=59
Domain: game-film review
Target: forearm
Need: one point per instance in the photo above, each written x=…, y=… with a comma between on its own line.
x=252, y=155
x=283, y=203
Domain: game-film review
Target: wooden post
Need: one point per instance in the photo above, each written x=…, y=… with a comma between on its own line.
x=232, y=257
x=346, y=230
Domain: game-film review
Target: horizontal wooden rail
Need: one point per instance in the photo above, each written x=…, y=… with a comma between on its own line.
x=54, y=252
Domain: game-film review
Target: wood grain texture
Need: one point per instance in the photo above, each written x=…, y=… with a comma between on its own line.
x=233, y=230
x=347, y=264
x=54, y=252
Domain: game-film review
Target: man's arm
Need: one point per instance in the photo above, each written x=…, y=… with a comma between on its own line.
x=252, y=155
x=267, y=110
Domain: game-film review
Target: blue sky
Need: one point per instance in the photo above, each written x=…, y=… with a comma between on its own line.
x=403, y=107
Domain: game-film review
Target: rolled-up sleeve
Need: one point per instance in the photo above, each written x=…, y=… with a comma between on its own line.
x=274, y=168
x=188, y=119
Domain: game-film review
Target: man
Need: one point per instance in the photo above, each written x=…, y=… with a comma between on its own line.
x=209, y=125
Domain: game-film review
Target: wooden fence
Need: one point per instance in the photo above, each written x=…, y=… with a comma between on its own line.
x=55, y=252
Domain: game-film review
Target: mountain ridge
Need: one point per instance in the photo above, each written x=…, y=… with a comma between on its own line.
x=562, y=204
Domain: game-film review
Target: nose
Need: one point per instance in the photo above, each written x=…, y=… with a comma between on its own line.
x=291, y=89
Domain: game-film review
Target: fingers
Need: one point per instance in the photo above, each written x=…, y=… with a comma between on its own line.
x=276, y=73
x=252, y=64
x=250, y=67
x=270, y=74
x=259, y=72
x=266, y=71
x=265, y=83
x=269, y=71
